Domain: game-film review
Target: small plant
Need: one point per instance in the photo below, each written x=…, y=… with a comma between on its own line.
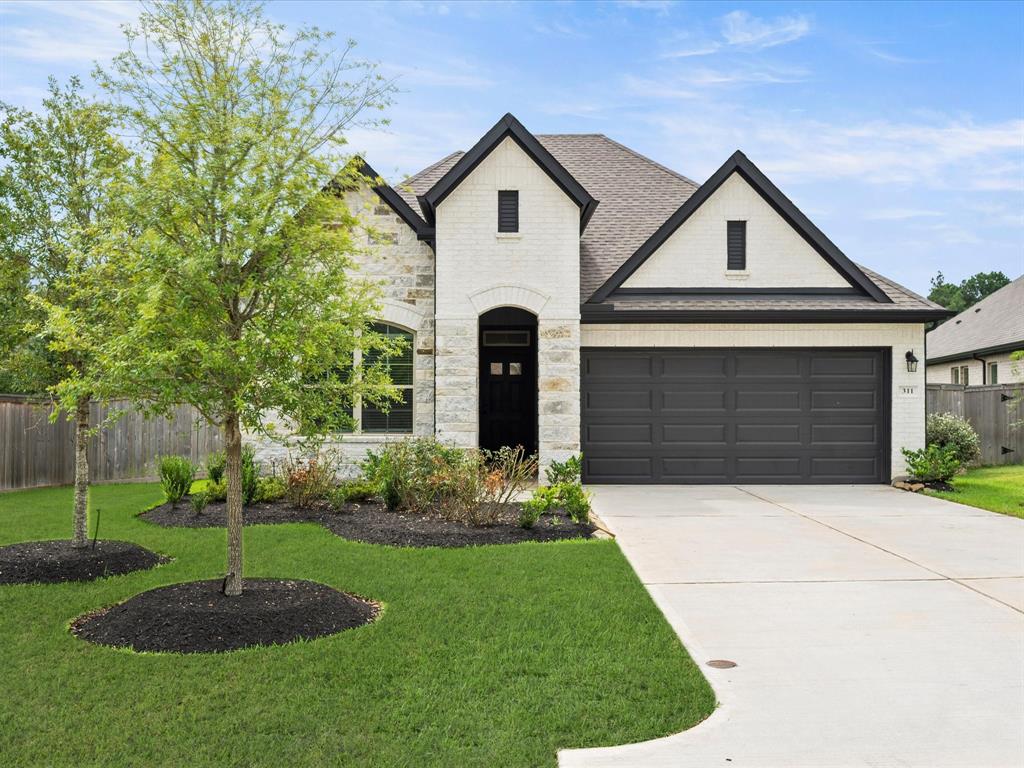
x=530, y=512
x=932, y=464
x=269, y=489
x=568, y=471
x=176, y=476
x=199, y=500
x=510, y=469
x=946, y=429
x=217, y=491
x=215, y=465
x=575, y=502
x=308, y=481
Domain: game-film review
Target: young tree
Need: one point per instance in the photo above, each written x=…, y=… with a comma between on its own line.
x=249, y=309
x=60, y=191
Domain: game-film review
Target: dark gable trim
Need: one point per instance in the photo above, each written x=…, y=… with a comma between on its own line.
x=508, y=126
x=605, y=313
x=739, y=163
x=727, y=292
x=969, y=354
x=404, y=211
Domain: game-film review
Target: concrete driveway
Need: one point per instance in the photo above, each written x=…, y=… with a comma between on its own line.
x=870, y=627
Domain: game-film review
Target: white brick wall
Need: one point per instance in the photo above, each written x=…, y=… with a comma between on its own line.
x=695, y=254
x=1010, y=372
x=908, y=390
x=536, y=269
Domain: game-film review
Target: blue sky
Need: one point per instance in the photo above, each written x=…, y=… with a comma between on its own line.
x=898, y=128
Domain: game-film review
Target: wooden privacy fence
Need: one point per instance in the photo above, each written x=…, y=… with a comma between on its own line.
x=37, y=452
x=992, y=410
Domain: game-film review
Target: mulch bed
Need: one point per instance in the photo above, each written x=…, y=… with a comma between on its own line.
x=50, y=562
x=196, y=617
x=371, y=522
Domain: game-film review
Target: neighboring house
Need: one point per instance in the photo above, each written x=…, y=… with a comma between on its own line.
x=974, y=347
x=566, y=293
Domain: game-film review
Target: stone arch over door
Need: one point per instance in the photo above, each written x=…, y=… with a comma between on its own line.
x=509, y=295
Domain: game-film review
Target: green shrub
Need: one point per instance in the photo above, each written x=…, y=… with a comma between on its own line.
x=575, y=502
x=176, y=476
x=359, y=490
x=945, y=429
x=412, y=473
x=269, y=489
x=216, y=462
x=932, y=464
x=217, y=491
x=530, y=512
x=568, y=471
x=199, y=500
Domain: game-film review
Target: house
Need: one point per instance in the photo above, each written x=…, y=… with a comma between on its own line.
x=975, y=346
x=565, y=293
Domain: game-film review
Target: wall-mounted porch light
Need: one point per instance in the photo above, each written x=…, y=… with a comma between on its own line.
x=911, y=362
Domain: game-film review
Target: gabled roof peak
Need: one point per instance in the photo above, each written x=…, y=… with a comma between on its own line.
x=741, y=164
x=508, y=127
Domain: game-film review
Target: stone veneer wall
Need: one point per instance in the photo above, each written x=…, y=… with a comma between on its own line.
x=404, y=268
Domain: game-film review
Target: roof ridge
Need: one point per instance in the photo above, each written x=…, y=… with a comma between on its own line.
x=876, y=276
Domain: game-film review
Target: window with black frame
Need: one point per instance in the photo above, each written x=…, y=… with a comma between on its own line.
x=398, y=418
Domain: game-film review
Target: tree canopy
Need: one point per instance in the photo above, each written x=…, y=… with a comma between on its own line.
x=960, y=296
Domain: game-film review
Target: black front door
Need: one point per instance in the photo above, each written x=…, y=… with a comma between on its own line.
x=508, y=390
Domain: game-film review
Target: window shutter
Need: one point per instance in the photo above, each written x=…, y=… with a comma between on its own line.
x=736, y=245
x=508, y=210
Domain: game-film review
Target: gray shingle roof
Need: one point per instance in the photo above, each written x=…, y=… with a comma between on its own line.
x=995, y=321
x=636, y=195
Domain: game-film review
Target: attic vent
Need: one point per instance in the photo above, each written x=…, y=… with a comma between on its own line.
x=736, y=245
x=508, y=210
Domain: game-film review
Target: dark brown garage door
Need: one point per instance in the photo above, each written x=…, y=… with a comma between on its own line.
x=735, y=415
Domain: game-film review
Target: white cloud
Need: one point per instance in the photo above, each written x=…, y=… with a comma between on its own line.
x=695, y=49
x=443, y=78
x=741, y=29
x=67, y=32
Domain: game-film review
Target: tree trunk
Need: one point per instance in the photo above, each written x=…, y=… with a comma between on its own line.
x=81, y=535
x=233, y=471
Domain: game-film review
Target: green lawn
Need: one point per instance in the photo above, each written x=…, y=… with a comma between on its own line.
x=493, y=656
x=1000, y=489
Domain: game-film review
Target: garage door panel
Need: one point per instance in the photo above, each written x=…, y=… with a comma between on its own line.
x=686, y=434
x=694, y=366
x=766, y=400
x=768, y=434
x=844, y=401
x=774, y=365
x=759, y=415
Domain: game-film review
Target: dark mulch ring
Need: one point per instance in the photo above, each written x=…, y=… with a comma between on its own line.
x=371, y=522
x=50, y=562
x=196, y=617
x=939, y=485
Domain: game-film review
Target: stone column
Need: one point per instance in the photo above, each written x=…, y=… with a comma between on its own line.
x=558, y=369
x=456, y=363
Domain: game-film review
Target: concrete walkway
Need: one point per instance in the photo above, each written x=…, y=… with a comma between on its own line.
x=870, y=627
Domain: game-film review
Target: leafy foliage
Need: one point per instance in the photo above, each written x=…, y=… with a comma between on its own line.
x=932, y=464
x=959, y=297
x=947, y=429
x=199, y=501
x=568, y=471
x=570, y=497
x=176, y=476
x=250, y=474
x=243, y=265
x=270, y=489
x=215, y=464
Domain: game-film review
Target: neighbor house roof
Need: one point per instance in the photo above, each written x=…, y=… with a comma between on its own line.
x=637, y=199
x=994, y=324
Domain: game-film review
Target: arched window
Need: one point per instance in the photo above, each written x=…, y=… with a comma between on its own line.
x=398, y=419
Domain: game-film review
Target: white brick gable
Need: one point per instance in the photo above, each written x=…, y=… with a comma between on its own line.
x=695, y=255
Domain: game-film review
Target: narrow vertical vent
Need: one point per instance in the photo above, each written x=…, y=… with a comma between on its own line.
x=736, y=245
x=508, y=210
